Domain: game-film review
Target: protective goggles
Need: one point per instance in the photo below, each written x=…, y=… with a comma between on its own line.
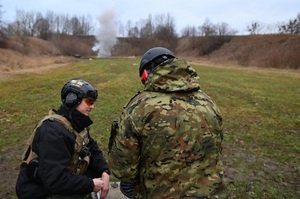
x=88, y=101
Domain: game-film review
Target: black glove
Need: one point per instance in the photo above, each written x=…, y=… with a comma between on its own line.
x=127, y=188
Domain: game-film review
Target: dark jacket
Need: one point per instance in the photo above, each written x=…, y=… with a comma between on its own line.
x=54, y=145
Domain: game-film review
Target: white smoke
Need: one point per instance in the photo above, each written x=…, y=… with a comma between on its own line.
x=106, y=38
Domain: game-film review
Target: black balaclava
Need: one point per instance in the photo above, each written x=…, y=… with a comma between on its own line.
x=78, y=120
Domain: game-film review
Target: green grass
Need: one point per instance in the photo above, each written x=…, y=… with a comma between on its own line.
x=261, y=112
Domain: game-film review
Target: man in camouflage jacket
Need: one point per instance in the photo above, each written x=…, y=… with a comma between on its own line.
x=167, y=142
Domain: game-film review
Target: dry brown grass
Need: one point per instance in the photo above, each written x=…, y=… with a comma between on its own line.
x=12, y=63
x=23, y=54
x=27, y=54
x=269, y=51
x=31, y=46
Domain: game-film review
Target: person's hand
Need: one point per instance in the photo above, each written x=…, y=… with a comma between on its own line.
x=105, y=188
x=98, y=184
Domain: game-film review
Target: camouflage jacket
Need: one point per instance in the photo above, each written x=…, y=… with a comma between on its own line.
x=168, y=140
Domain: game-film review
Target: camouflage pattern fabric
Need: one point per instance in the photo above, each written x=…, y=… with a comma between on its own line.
x=168, y=140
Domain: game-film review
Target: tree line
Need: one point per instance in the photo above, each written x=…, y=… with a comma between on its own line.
x=39, y=25
x=162, y=26
x=159, y=29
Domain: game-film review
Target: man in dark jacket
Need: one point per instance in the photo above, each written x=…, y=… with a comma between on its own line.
x=61, y=151
x=167, y=143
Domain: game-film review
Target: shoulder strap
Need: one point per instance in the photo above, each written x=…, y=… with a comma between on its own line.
x=29, y=154
x=53, y=116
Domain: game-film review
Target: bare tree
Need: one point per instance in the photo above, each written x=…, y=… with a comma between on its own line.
x=223, y=29
x=76, y=26
x=189, y=31
x=165, y=29
x=128, y=27
x=207, y=28
x=65, y=24
x=134, y=32
x=31, y=19
x=255, y=28
x=147, y=28
x=1, y=12
x=121, y=29
x=42, y=27
x=57, y=24
x=292, y=27
x=50, y=17
x=86, y=25
x=2, y=29
x=21, y=23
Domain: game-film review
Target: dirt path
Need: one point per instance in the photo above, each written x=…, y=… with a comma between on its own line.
x=44, y=64
x=12, y=64
x=5, y=75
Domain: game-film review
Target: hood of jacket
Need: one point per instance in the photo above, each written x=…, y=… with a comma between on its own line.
x=171, y=76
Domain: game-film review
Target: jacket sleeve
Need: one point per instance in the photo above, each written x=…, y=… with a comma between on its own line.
x=124, y=150
x=98, y=163
x=54, y=145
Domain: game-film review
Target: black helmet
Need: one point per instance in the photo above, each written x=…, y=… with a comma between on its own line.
x=75, y=90
x=152, y=55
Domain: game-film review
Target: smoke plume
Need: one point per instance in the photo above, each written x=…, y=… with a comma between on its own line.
x=106, y=38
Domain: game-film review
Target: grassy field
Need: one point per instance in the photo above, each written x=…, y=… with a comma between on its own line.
x=261, y=111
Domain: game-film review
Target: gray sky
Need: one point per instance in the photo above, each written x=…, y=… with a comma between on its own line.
x=238, y=14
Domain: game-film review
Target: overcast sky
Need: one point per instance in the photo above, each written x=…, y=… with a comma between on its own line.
x=238, y=14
